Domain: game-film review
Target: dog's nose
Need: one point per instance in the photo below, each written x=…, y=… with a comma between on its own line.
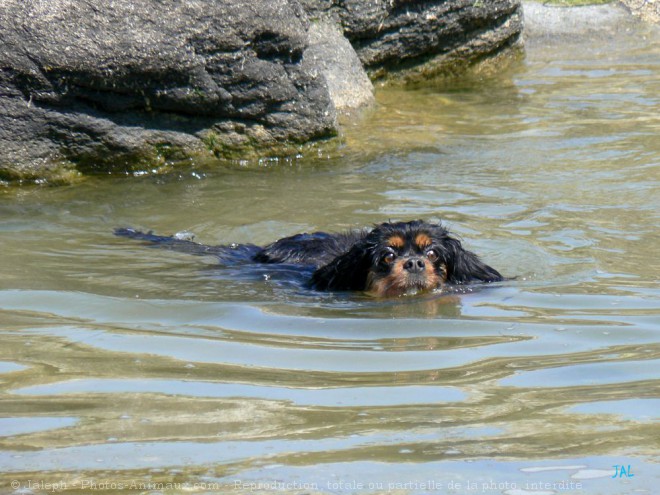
x=414, y=265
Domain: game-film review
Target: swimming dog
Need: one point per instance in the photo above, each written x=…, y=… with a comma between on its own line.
x=391, y=259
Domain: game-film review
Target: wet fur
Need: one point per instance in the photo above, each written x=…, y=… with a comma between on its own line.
x=391, y=259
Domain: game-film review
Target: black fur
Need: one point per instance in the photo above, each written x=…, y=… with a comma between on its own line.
x=380, y=260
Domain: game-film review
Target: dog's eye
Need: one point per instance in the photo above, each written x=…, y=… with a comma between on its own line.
x=432, y=255
x=389, y=258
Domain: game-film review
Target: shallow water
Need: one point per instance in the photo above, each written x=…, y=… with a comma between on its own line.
x=126, y=369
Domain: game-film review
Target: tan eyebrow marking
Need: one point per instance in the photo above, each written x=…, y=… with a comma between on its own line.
x=423, y=240
x=396, y=241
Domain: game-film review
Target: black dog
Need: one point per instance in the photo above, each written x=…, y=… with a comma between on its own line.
x=392, y=259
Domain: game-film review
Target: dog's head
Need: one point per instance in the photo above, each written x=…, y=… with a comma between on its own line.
x=405, y=258
x=402, y=258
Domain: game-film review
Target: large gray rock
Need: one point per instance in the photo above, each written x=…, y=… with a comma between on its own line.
x=97, y=86
x=413, y=39
x=102, y=84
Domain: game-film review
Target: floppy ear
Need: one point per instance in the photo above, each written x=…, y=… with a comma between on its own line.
x=464, y=266
x=348, y=271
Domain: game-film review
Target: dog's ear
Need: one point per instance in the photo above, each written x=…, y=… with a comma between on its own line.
x=348, y=271
x=464, y=266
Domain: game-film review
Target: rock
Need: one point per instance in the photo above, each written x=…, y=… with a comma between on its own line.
x=418, y=39
x=647, y=10
x=103, y=85
x=88, y=86
x=349, y=86
x=543, y=21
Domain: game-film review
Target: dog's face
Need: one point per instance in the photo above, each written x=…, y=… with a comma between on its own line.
x=406, y=258
x=396, y=259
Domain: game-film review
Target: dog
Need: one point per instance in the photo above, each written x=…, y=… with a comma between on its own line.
x=389, y=260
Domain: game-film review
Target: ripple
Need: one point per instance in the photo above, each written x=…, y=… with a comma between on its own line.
x=347, y=396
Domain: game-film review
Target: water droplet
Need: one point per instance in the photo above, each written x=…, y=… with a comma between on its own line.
x=184, y=235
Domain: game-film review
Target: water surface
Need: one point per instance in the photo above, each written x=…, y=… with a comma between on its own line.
x=132, y=370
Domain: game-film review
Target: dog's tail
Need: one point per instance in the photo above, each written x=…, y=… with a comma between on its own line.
x=184, y=243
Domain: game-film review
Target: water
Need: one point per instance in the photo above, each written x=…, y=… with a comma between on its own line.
x=132, y=370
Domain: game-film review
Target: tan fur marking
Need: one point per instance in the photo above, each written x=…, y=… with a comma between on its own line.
x=386, y=285
x=423, y=240
x=396, y=241
x=433, y=280
x=396, y=282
